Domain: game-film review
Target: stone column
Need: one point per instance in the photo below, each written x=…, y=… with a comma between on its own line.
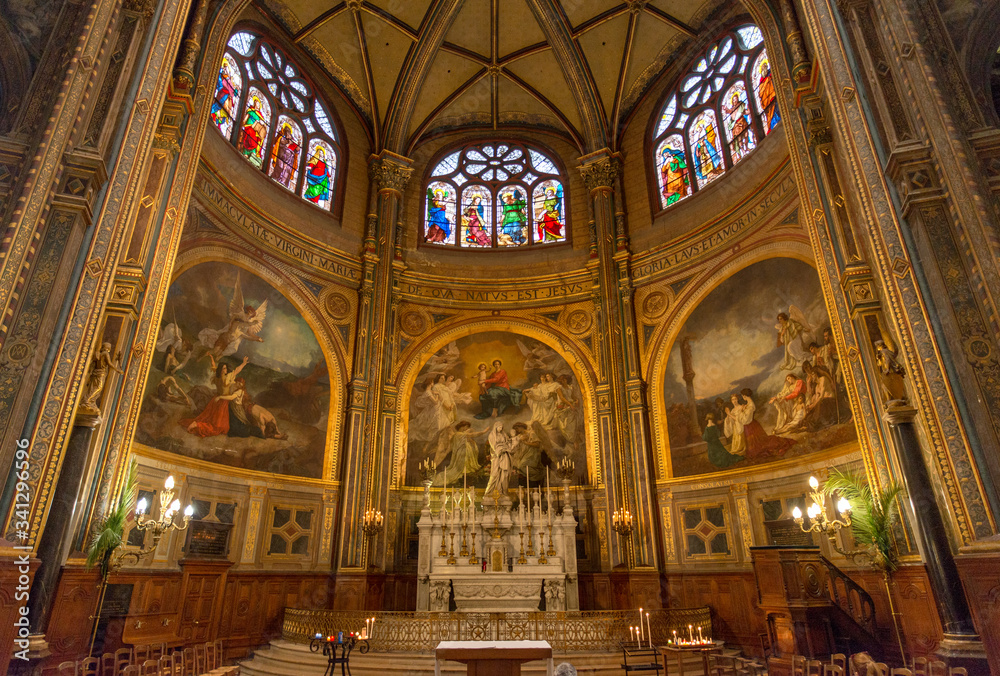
x=960, y=638
x=371, y=406
x=621, y=401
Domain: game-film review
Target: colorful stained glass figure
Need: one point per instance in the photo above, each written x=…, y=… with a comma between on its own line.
x=706, y=151
x=227, y=96
x=675, y=181
x=737, y=122
x=439, y=225
x=764, y=90
x=547, y=202
x=285, y=150
x=321, y=163
x=256, y=122
x=477, y=217
x=513, y=228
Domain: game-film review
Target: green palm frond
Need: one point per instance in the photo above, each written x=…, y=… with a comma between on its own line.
x=107, y=534
x=873, y=514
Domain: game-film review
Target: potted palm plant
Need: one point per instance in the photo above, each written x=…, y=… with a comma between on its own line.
x=107, y=537
x=873, y=515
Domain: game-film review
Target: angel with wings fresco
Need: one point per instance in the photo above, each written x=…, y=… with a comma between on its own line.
x=245, y=322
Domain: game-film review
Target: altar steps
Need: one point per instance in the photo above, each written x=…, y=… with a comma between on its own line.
x=284, y=658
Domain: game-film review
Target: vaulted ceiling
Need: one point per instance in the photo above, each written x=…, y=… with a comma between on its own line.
x=415, y=67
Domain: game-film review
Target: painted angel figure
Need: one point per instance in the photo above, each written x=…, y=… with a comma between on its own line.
x=543, y=358
x=245, y=322
x=793, y=329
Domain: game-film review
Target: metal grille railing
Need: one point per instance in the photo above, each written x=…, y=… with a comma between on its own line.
x=565, y=631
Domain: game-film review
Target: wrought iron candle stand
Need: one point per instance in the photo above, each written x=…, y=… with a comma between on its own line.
x=338, y=651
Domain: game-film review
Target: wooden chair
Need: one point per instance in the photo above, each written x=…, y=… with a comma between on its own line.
x=131, y=670
x=957, y=671
x=108, y=664
x=798, y=665
x=840, y=659
x=883, y=668
x=150, y=668
x=67, y=669
x=89, y=666
x=814, y=668
x=140, y=653
x=165, y=665
x=200, y=659
x=919, y=666
x=721, y=665
x=937, y=668
x=189, y=662
x=833, y=670
x=901, y=671
x=220, y=655
x=211, y=660
x=123, y=658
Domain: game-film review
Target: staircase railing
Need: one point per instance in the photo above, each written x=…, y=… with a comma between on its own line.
x=850, y=596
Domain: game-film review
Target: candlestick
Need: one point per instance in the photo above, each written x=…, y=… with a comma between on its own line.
x=640, y=625
x=528, y=478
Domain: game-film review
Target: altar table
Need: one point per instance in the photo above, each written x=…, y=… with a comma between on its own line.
x=492, y=658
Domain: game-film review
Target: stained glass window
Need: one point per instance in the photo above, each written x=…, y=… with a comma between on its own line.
x=284, y=129
x=511, y=196
x=707, y=122
x=477, y=216
x=439, y=224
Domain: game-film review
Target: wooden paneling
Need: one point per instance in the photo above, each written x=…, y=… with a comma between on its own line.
x=915, y=604
x=9, y=605
x=70, y=624
x=253, y=604
x=595, y=591
x=736, y=617
x=981, y=576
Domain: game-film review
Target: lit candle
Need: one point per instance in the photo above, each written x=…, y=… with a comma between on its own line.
x=371, y=634
x=702, y=638
x=640, y=625
x=631, y=633
x=649, y=631
x=691, y=632
x=675, y=637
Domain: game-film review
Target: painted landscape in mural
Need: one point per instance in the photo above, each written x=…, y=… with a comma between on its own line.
x=754, y=375
x=495, y=392
x=238, y=377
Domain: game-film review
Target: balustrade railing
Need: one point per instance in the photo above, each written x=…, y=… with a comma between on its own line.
x=565, y=631
x=850, y=596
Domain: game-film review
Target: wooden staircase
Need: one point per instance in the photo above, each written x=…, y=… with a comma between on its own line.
x=813, y=608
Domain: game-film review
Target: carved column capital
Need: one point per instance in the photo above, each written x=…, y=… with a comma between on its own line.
x=600, y=169
x=388, y=171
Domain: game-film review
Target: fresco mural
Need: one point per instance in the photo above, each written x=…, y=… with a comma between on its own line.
x=238, y=379
x=495, y=394
x=754, y=375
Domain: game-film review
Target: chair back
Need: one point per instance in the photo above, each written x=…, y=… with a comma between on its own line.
x=901, y=671
x=833, y=670
x=67, y=669
x=220, y=655
x=840, y=659
x=200, y=659
x=189, y=662
x=814, y=668
x=211, y=662
x=141, y=653
x=108, y=664
x=937, y=668
x=131, y=670
x=165, y=665
x=123, y=658
x=957, y=671
x=919, y=666
x=89, y=666
x=149, y=668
